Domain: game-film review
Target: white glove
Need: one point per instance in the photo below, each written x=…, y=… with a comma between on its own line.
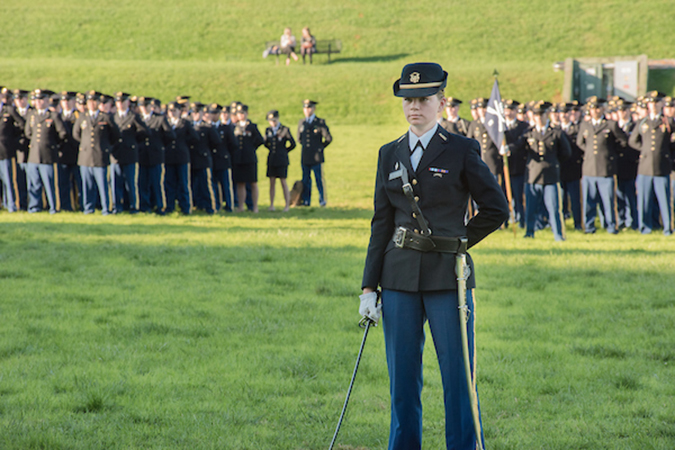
x=369, y=307
x=504, y=150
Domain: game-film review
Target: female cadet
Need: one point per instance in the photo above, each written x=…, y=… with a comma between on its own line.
x=419, y=284
x=246, y=140
x=279, y=141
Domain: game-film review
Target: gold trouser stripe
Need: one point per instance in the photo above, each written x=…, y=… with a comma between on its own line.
x=57, y=191
x=230, y=187
x=109, y=186
x=138, y=194
x=209, y=183
x=161, y=187
x=189, y=184
x=15, y=185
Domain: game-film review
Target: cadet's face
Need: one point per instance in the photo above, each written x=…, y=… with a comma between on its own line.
x=308, y=110
x=41, y=103
x=654, y=107
x=21, y=102
x=241, y=116
x=509, y=114
x=273, y=122
x=539, y=120
x=92, y=105
x=174, y=113
x=596, y=113
x=421, y=112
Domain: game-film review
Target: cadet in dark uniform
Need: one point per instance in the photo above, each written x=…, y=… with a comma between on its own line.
x=653, y=137
x=222, y=162
x=488, y=150
x=124, y=169
x=11, y=127
x=314, y=136
x=443, y=169
x=44, y=131
x=600, y=140
x=454, y=124
x=517, y=158
x=201, y=161
x=570, y=169
x=246, y=139
x=70, y=183
x=97, y=133
x=22, y=107
x=626, y=195
x=151, y=156
x=546, y=147
x=177, y=161
x=279, y=141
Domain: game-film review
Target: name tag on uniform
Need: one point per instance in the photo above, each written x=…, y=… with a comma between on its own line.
x=395, y=174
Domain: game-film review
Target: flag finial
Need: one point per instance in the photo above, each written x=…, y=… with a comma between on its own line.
x=495, y=73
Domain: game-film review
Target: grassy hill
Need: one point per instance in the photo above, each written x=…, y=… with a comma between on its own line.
x=212, y=50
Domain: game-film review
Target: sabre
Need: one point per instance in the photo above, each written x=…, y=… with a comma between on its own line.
x=463, y=271
x=365, y=323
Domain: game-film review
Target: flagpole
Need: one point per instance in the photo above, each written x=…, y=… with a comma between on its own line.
x=507, y=177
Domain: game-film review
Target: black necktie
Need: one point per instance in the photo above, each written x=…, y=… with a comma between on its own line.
x=419, y=144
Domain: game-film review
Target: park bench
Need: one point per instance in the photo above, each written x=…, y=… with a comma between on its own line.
x=323, y=46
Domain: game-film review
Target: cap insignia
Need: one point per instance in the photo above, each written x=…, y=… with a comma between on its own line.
x=415, y=77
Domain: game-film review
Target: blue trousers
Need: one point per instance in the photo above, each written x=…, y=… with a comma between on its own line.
x=626, y=204
x=647, y=187
x=222, y=188
x=22, y=183
x=177, y=184
x=10, y=188
x=572, y=201
x=41, y=176
x=403, y=318
x=518, y=191
x=70, y=185
x=151, y=188
x=125, y=191
x=549, y=196
x=95, y=180
x=202, y=189
x=599, y=190
x=307, y=183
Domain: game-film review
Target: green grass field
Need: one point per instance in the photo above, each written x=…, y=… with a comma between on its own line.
x=239, y=331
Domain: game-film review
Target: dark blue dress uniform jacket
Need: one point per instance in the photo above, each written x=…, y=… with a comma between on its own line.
x=279, y=145
x=601, y=145
x=11, y=128
x=488, y=150
x=449, y=172
x=544, y=155
x=178, y=149
x=158, y=134
x=96, y=137
x=245, y=142
x=570, y=170
x=132, y=130
x=220, y=154
x=628, y=156
x=314, y=138
x=653, y=139
x=69, y=146
x=45, y=133
x=518, y=156
x=200, y=149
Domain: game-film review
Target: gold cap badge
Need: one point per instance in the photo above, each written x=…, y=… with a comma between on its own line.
x=415, y=77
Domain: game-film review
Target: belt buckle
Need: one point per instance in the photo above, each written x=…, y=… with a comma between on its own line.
x=399, y=237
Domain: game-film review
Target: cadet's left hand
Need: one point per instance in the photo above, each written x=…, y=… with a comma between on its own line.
x=369, y=307
x=504, y=150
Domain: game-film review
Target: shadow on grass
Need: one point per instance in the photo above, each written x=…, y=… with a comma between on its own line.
x=370, y=59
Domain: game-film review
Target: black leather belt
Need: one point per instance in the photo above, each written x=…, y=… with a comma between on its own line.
x=405, y=238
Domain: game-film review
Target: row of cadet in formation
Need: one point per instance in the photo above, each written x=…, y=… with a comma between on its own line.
x=575, y=159
x=73, y=151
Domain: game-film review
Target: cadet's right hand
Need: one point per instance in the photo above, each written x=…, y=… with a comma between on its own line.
x=369, y=307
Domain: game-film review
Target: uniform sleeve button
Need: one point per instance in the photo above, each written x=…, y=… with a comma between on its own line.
x=414, y=182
